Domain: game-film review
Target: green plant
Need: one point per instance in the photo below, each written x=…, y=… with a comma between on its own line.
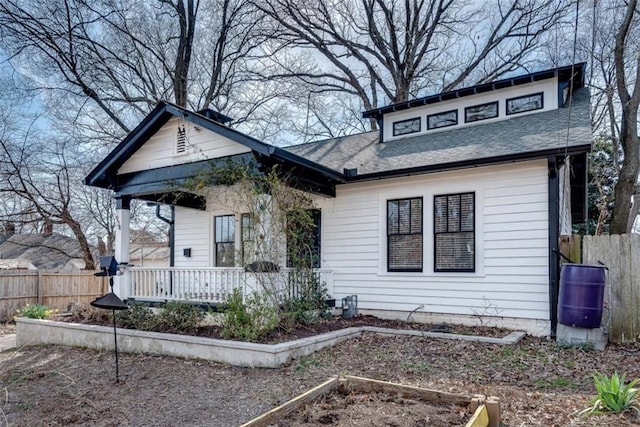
x=613, y=395
x=137, y=316
x=35, y=311
x=251, y=320
x=305, y=300
x=311, y=361
x=556, y=382
x=178, y=317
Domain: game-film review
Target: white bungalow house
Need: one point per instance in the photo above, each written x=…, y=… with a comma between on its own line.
x=452, y=210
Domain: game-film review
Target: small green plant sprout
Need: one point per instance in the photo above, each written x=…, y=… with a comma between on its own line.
x=613, y=395
x=35, y=311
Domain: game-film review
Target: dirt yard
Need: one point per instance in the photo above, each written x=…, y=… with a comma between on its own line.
x=537, y=382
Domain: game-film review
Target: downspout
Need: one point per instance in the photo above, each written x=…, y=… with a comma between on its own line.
x=172, y=242
x=554, y=238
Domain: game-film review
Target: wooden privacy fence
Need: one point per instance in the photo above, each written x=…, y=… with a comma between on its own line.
x=621, y=254
x=55, y=290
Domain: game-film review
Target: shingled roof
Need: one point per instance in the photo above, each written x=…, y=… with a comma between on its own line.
x=44, y=251
x=537, y=135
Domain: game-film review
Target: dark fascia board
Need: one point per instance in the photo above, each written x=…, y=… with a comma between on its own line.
x=103, y=175
x=466, y=164
x=563, y=74
x=176, y=198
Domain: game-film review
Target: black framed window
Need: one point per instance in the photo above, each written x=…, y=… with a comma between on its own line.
x=225, y=233
x=247, y=231
x=404, y=234
x=534, y=101
x=481, y=112
x=406, y=126
x=454, y=232
x=441, y=120
x=303, y=239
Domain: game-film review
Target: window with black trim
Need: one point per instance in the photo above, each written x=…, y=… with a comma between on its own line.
x=247, y=238
x=406, y=126
x=454, y=232
x=225, y=233
x=303, y=239
x=534, y=101
x=404, y=234
x=481, y=112
x=441, y=120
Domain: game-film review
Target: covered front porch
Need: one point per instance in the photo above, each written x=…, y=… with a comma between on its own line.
x=212, y=285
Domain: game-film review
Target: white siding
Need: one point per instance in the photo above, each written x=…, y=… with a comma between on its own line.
x=193, y=230
x=511, y=277
x=549, y=88
x=159, y=150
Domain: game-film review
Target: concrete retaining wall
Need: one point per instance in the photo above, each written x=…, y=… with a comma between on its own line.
x=39, y=332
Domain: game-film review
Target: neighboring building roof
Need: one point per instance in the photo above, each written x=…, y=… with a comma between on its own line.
x=44, y=251
x=149, y=252
x=16, y=264
x=523, y=137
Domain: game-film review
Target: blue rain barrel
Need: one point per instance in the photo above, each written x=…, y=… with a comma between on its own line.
x=581, y=295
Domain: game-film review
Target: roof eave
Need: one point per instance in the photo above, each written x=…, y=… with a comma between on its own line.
x=98, y=177
x=465, y=164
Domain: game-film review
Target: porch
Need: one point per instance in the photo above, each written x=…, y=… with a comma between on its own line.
x=213, y=285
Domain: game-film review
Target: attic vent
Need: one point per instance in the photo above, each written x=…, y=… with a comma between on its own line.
x=181, y=139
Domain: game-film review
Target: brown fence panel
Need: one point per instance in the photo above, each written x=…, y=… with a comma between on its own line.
x=17, y=290
x=60, y=290
x=570, y=247
x=55, y=290
x=621, y=254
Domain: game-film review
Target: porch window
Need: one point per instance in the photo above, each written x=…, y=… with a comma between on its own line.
x=303, y=240
x=454, y=230
x=404, y=234
x=225, y=232
x=247, y=237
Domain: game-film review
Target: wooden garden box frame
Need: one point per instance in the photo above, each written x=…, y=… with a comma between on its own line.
x=486, y=410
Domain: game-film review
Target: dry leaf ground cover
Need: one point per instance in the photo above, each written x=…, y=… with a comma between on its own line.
x=538, y=382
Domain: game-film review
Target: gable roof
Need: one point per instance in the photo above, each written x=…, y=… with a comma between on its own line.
x=538, y=135
x=103, y=175
x=320, y=165
x=44, y=251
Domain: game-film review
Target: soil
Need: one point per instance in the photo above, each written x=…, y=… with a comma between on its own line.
x=320, y=326
x=538, y=382
x=373, y=410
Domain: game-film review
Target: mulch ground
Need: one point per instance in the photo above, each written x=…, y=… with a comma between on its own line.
x=538, y=382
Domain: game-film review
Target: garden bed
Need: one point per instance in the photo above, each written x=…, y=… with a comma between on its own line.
x=354, y=401
x=237, y=353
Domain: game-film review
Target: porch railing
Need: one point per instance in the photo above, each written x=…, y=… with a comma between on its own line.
x=212, y=284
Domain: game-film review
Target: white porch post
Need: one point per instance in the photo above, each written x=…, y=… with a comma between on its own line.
x=121, y=283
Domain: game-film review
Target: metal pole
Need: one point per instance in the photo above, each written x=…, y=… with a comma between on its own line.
x=115, y=343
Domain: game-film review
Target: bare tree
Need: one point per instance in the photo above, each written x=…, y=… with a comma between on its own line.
x=612, y=43
x=628, y=88
x=98, y=68
x=385, y=51
x=124, y=55
x=36, y=174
